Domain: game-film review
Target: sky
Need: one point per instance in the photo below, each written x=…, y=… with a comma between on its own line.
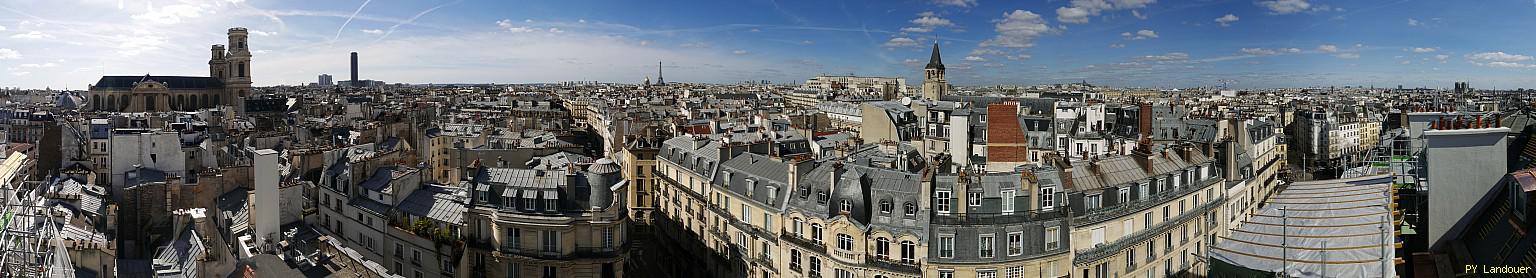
x=1125, y=43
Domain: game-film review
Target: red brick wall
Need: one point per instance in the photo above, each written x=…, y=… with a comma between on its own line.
x=1006, y=141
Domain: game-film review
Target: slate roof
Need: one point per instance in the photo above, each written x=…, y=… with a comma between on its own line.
x=437, y=202
x=763, y=173
x=173, y=82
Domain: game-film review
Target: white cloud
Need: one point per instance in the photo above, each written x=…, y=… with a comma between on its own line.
x=1139, y=35
x=915, y=29
x=1018, y=29
x=1226, y=20
x=33, y=35
x=2, y=27
x=1138, y=14
x=260, y=33
x=1498, y=57
x=1082, y=9
x=901, y=42
x=373, y=31
x=739, y=52
x=170, y=14
x=957, y=3
x=932, y=21
x=1442, y=57
x=1116, y=45
x=7, y=53
x=975, y=59
x=1508, y=65
x=1170, y=57
x=21, y=73
x=507, y=24
x=1267, y=52
x=1414, y=22
x=1072, y=15
x=1285, y=6
x=1328, y=48
x=985, y=51
x=1349, y=55
x=44, y=65
x=1019, y=57
x=1405, y=62
x=555, y=30
x=912, y=62
x=807, y=42
x=1421, y=49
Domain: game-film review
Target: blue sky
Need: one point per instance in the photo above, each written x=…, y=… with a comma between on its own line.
x=1146, y=43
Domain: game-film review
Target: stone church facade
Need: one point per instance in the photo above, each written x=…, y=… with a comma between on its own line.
x=229, y=83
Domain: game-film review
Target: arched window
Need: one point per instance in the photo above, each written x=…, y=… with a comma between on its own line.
x=910, y=209
x=122, y=102
x=111, y=105
x=886, y=206
x=797, y=228
x=96, y=102
x=241, y=66
x=181, y=102
x=815, y=267
x=192, y=101
x=816, y=233
x=908, y=252
x=882, y=248
x=216, y=100
x=794, y=259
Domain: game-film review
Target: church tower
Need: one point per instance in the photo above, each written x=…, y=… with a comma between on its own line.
x=238, y=84
x=218, y=67
x=933, y=76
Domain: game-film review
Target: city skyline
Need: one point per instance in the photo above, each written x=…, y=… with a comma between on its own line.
x=1141, y=43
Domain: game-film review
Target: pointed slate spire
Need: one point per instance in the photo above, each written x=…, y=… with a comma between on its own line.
x=933, y=61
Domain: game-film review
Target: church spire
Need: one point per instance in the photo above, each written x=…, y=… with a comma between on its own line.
x=933, y=61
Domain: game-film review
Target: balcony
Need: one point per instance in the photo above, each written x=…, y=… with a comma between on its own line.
x=578, y=253
x=1095, y=216
x=915, y=269
x=966, y=219
x=804, y=243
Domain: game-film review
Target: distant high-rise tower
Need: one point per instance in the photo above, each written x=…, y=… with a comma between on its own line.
x=325, y=80
x=659, y=80
x=933, y=76
x=354, y=69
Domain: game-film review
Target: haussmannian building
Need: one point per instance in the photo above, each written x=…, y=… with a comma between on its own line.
x=547, y=223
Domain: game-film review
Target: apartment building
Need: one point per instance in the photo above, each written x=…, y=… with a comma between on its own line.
x=568, y=222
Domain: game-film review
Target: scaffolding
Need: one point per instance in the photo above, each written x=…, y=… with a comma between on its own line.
x=30, y=243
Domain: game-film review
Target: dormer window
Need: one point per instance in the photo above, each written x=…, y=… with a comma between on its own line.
x=910, y=209
x=846, y=205
x=886, y=206
x=821, y=197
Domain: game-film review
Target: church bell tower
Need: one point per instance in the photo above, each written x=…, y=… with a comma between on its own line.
x=238, y=81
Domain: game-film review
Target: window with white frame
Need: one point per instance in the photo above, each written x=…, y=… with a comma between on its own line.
x=1052, y=238
x=1093, y=201
x=1015, y=243
x=1047, y=198
x=941, y=201
x=973, y=199
x=908, y=252
x=946, y=246
x=816, y=233
x=1125, y=195
x=844, y=241
x=1007, y=201
x=986, y=245
x=882, y=248
x=986, y=273
x=1096, y=236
